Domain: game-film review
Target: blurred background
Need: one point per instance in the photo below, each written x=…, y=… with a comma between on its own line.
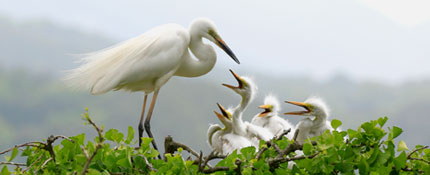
x=366, y=58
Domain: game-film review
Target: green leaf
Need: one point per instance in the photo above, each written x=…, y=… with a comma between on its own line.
x=13, y=155
x=402, y=146
x=335, y=123
x=124, y=162
x=307, y=147
x=111, y=134
x=382, y=121
x=396, y=131
x=400, y=161
x=5, y=171
x=130, y=135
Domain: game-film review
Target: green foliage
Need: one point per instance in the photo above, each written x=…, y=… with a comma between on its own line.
x=368, y=150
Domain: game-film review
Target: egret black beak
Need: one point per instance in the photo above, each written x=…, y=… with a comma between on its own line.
x=223, y=45
x=226, y=49
x=223, y=111
x=267, y=110
x=304, y=105
x=238, y=79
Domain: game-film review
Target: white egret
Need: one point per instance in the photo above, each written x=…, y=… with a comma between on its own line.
x=223, y=140
x=269, y=118
x=314, y=106
x=246, y=89
x=145, y=63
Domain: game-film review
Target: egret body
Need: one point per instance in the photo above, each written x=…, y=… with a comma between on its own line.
x=145, y=63
x=270, y=119
x=314, y=106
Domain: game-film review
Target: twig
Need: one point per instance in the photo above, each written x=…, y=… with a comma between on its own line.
x=13, y=163
x=171, y=146
x=46, y=162
x=200, y=161
x=283, y=134
x=32, y=164
x=210, y=157
x=414, y=151
x=296, y=133
x=238, y=164
x=260, y=152
x=409, y=156
x=98, y=146
x=34, y=144
x=149, y=165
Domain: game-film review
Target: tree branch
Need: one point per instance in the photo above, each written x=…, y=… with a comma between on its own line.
x=171, y=146
x=13, y=163
x=98, y=146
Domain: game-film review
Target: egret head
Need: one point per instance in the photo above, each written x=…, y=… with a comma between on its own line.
x=206, y=28
x=271, y=106
x=314, y=106
x=245, y=88
x=224, y=116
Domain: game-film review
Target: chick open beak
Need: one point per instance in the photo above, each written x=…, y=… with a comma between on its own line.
x=223, y=111
x=223, y=46
x=304, y=105
x=267, y=110
x=238, y=79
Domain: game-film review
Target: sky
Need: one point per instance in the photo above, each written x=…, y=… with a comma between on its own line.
x=382, y=40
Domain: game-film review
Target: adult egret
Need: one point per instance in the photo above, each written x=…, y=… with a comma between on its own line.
x=269, y=118
x=314, y=106
x=246, y=89
x=223, y=140
x=145, y=63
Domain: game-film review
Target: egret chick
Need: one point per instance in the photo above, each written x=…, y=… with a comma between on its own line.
x=246, y=89
x=270, y=119
x=145, y=63
x=223, y=140
x=314, y=106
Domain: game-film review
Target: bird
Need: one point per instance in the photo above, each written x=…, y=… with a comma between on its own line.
x=222, y=140
x=246, y=89
x=270, y=119
x=145, y=63
x=307, y=127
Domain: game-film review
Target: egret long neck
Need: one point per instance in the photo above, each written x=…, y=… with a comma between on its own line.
x=206, y=58
x=238, y=124
x=320, y=119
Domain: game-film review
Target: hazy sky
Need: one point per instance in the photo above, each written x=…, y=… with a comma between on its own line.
x=386, y=40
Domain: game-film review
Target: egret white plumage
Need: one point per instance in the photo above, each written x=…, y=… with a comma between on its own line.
x=145, y=63
x=246, y=89
x=223, y=140
x=270, y=119
x=314, y=106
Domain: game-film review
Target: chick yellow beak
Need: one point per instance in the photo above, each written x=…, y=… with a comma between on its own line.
x=301, y=104
x=238, y=79
x=267, y=110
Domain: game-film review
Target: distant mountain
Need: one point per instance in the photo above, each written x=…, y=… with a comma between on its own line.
x=35, y=104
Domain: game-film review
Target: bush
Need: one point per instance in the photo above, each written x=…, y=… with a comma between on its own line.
x=367, y=150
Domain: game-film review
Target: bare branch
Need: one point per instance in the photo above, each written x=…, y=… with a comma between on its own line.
x=32, y=164
x=13, y=163
x=171, y=146
x=260, y=152
x=46, y=162
x=33, y=144
x=414, y=151
x=215, y=169
x=98, y=146
x=149, y=165
x=283, y=134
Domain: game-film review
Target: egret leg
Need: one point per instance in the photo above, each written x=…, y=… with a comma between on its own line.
x=141, y=119
x=148, y=119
